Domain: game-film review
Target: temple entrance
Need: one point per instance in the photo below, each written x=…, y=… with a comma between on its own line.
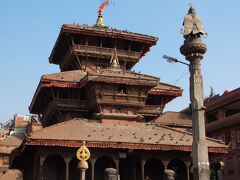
x=100, y=165
x=154, y=169
x=130, y=168
x=74, y=172
x=179, y=167
x=54, y=168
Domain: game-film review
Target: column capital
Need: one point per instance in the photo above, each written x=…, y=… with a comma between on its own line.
x=67, y=160
x=188, y=164
x=93, y=160
x=42, y=159
x=143, y=161
x=165, y=163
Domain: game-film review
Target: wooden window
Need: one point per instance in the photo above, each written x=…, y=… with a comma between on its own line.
x=211, y=117
x=107, y=42
x=230, y=165
x=80, y=40
x=136, y=47
x=238, y=136
x=229, y=112
x=238, y=160
x=228, y=136
x=122, y=89
x=122, y=44
x=93, y=41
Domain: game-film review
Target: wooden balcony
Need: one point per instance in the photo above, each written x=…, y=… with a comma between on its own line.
x=223, y=123
x=71, y=103
x=63, y=104
x=151, y=109
x=106, y=52
x=121, y=99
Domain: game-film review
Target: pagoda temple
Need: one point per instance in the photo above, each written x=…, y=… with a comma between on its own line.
x=99, y=99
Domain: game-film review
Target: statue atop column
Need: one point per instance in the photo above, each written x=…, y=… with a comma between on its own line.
x=193, y=31
x=192, y=25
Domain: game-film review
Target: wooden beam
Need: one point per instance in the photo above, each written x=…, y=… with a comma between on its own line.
x=79, y=62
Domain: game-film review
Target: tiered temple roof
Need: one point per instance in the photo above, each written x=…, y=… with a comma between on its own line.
x=145, y=136
x=96, y=31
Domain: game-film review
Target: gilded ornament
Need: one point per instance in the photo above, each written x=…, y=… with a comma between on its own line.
x=83, y=153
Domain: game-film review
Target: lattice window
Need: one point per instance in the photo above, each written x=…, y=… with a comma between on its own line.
x=238, y=136
x=238, y=160
x=230, y=164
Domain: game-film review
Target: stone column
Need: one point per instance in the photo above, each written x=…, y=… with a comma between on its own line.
x=41, y=161
x=36, y=167
x=193, y=49
x=92, y=168
x=220, y=170
x=143, y=162
x=111, y=174
x=117, y=164
x=134, y=169
x=67, y=160
x=83, y=166
x=188, y=164
x=169, y=174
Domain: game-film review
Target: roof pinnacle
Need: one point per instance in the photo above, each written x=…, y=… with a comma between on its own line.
x=212, y=92
x=100, y=21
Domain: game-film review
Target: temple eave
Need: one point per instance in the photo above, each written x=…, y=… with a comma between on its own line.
x=120, y=145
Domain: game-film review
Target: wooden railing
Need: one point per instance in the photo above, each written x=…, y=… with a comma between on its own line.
x=107, y=51
x=121, y=98
x=67, y=103
x=151, y=109
x=81, y=104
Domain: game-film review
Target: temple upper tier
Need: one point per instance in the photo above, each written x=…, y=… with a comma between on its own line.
x=82, y=47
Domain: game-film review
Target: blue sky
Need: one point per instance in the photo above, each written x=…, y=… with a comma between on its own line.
x=29, y=29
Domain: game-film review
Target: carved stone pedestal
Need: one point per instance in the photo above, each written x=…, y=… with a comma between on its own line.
x=83, y=166
x=169, y=174
x=111, y=174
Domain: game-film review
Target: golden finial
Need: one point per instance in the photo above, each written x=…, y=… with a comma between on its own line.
x=83, y=154
x=114, y=60
x=100, y=21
